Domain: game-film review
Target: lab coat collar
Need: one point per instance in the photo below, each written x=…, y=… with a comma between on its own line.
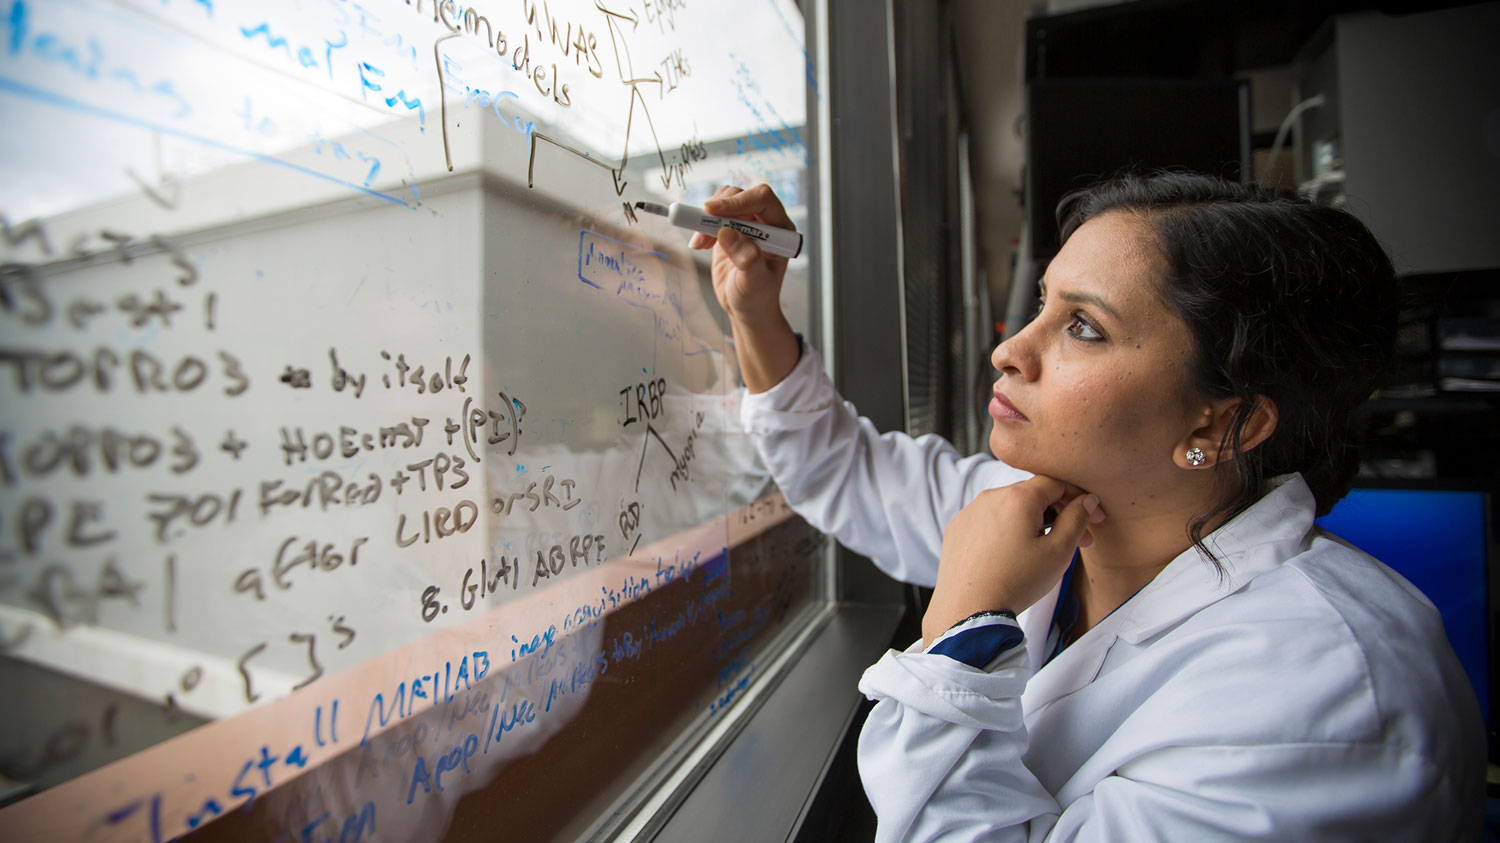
x=1273, y=529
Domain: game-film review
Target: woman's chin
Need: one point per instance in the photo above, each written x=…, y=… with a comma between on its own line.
x=1004, y=445
x=1006, y=452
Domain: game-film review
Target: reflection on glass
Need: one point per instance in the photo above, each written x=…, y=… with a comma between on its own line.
x=365, y=462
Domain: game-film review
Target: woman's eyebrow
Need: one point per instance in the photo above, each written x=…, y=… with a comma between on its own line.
x=1090, y=298
x=1081, y=298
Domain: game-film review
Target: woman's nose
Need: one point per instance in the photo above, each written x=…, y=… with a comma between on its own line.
x=1016, y=356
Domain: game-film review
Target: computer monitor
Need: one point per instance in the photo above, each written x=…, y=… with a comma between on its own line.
x=1441, y=540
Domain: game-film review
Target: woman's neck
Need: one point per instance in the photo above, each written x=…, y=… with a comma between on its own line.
x=1127, y=553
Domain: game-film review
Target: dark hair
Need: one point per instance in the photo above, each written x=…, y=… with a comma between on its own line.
x=1285, y=299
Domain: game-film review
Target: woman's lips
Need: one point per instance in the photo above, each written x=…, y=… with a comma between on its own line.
x=1003, y=410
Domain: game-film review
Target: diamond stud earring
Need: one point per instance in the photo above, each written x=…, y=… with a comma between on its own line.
x=1195, y=456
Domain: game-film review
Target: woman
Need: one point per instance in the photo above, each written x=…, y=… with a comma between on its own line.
x=1183, y=655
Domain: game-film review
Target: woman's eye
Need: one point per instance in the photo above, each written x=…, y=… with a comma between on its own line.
x=1079, y=328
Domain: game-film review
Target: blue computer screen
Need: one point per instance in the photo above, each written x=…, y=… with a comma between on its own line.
x=1436, y=539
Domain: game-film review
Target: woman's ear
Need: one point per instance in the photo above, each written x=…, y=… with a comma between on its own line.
x=1201, y=448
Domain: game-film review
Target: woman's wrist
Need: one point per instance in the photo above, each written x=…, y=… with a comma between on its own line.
x=939, y=620
x=767, y=349
x=978, y=640
x=761, y=319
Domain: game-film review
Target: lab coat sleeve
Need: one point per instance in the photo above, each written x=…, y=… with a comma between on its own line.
x=888, y=497
x=942, y=757
x=941, y=752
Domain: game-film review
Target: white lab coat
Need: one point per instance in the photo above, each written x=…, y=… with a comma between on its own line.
x=1309, y=694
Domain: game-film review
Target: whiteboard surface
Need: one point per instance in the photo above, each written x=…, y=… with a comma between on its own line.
x=331, y=346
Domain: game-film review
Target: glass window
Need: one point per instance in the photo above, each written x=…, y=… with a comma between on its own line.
x=370, y=462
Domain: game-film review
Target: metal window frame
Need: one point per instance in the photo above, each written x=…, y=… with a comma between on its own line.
x=760, y=783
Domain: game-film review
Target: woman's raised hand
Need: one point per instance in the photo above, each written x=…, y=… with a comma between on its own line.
x=997, y=558
x=747, y=283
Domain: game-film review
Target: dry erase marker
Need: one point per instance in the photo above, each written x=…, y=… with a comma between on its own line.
x=777, y=241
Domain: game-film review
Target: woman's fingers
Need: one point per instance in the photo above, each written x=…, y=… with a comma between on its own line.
x=996, y=555
x=1074, y=509
x=1044, y=491
x=707, y=241
x=759, y=202
x=742, y=251
x=1071, y=527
